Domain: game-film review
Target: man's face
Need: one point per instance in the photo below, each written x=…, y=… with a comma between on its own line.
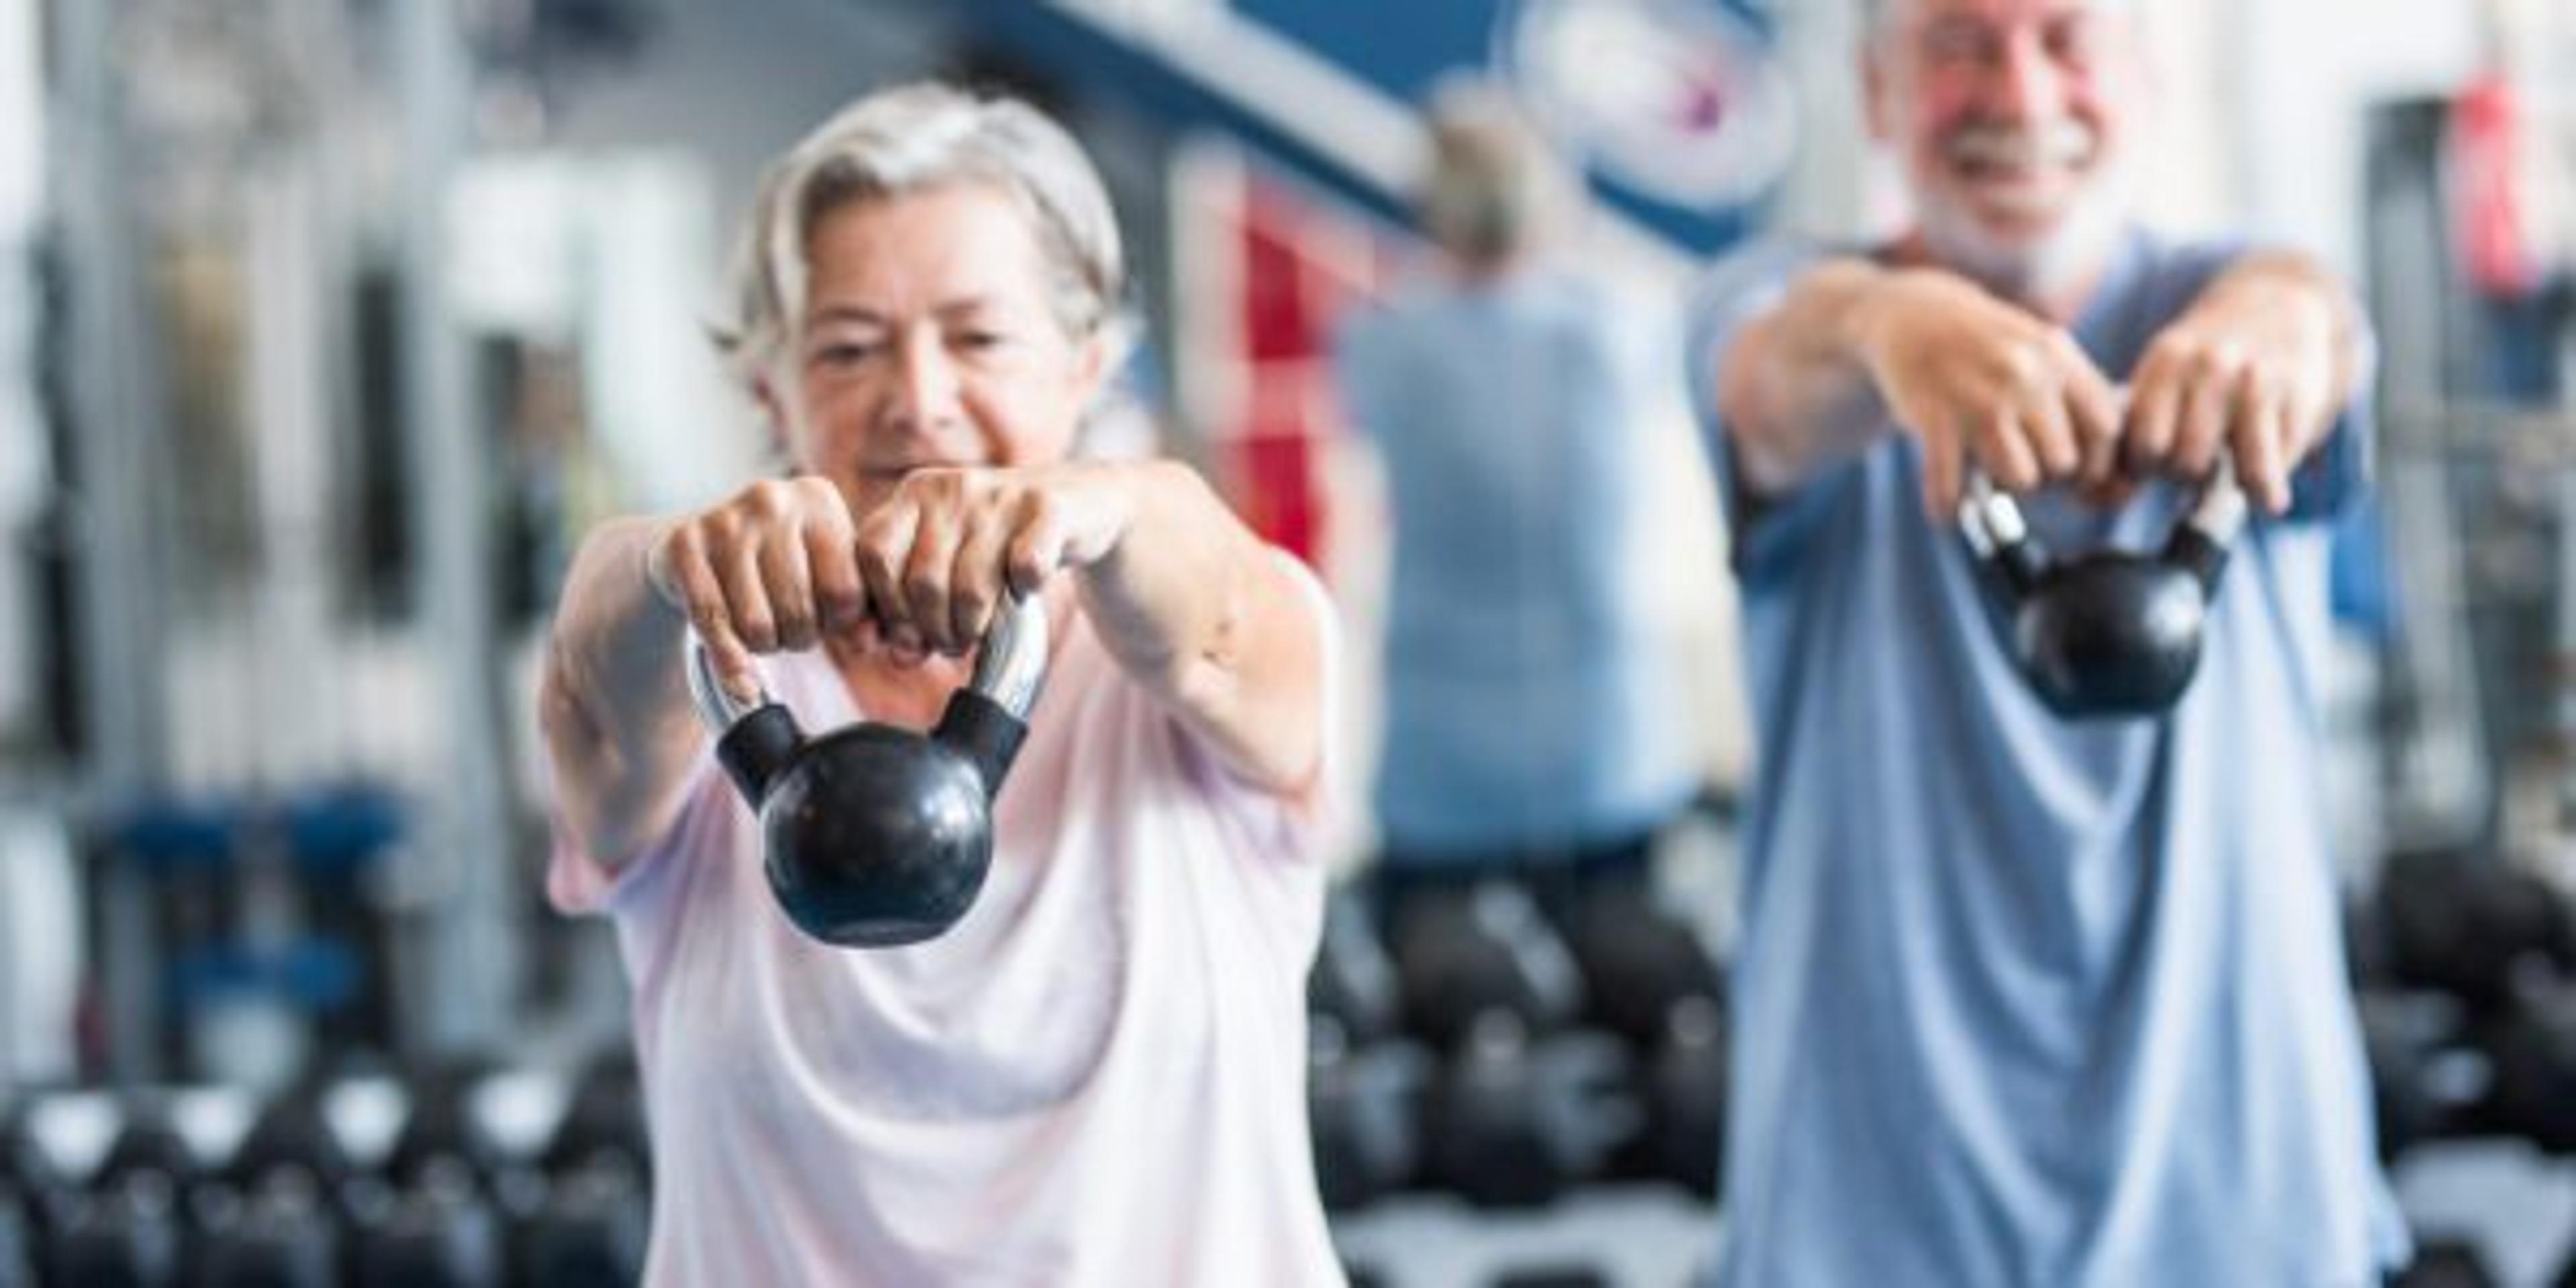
x=2012, y=119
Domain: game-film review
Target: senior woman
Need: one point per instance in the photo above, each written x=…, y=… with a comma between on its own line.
x=1097, y=1076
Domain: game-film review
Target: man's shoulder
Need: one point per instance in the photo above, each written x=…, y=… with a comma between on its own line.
x=1762, y=264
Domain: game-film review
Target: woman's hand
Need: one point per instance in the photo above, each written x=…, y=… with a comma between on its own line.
x=938, y=555
x=784, y=563
x=773, y=568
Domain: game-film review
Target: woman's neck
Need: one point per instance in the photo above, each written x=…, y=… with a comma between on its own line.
x=913, y=697
x=891, y=693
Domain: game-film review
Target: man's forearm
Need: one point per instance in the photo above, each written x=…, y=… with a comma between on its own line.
x=1795, y=391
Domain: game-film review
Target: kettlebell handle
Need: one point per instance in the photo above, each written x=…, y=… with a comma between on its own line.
x=1998, y=532
x=1009, y=667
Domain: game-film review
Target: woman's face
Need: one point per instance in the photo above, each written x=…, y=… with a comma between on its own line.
x=928, y=340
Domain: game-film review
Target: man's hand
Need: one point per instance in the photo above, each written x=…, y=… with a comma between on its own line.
x=2258, y=367
x=1980, y=381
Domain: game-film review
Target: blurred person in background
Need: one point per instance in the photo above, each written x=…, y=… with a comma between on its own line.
x=2024, y=1000
x=1097, y=1077
x=1531, y=726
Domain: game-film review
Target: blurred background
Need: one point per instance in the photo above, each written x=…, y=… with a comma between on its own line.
x=328, y=326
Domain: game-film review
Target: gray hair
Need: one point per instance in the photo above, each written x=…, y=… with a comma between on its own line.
x=1492, y=186
x=913, y=138
x=1875, y=14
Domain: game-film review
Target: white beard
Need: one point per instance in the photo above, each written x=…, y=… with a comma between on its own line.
x=2049, y=269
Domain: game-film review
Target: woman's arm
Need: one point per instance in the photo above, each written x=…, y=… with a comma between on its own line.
x=1184, y=596
x=613, y=708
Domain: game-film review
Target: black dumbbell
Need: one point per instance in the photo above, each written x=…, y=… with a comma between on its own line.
x=17, y=1238
x=2465, y=924
x=1461, y=954
x=1681, y=1093
x=1639, y=962
x=604, y=1125
x=2532, y=1049
x=282, y=1235
x=1512, y=1120
x=2446, y=1263
x=441, y=1234
x=1557, y=1275
x=292, y=1137
x=1361, y=1114
x=442, y=1135
x=2428, y=1080
x=128, y=1236
x=284, y=1199
x=591, y=1225
x=590, y=1232
x=1353, y=981
x=129, y=1224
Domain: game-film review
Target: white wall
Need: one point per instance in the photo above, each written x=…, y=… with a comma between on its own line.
x=2306, y=72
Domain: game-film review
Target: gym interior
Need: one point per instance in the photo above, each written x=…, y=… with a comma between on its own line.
x=329, y=329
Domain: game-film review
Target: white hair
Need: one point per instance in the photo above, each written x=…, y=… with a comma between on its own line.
x=909, y=139
x=1875, y=15
x=1491, y=186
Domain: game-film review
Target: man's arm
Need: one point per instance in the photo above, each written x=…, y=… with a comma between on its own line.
x=2260, y=365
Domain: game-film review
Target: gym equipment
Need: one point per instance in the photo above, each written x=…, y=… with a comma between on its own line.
x=2446, y=1263
x=130, y=1235
x=1639, y=962
x=591, y=1223
x=17, y=1244
x=2533, y=1049
x=282, y=1236
x=876, y=836
x=442, y=1138
x=1360, y=1113
x=276, y=1220
x=1682, y=1089
x=2108, y=633
x=2466, y=924
x=604, y=1126
x=1512, y=1121
x=2427, y=1081
x=1353, y=982
x=1552, y=1276
x=440, y=1235
x=1460, y=954
x=291, y=1139
x=590, y=1233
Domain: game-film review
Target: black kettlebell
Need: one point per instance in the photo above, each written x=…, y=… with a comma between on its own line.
x=2107, y=632
x=876, y=836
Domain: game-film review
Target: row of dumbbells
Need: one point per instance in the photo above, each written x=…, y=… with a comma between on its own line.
x=2465, y=971
x=459, y=1197
x=1481, y=1044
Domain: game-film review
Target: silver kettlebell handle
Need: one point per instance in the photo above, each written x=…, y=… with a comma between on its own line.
x=1008, y=668
x=2219, y=511
x=1992, y=519
x=718, y=710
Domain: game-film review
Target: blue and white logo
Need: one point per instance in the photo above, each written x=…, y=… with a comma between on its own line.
x=1679, y=100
